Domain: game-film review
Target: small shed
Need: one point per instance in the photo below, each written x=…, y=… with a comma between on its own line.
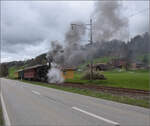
x=16, y=75
x=68, y=72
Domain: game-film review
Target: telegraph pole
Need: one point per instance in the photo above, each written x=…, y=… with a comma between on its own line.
x=91, y=43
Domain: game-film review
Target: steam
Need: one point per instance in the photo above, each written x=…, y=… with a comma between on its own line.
x=55, y=75
x=108, y=24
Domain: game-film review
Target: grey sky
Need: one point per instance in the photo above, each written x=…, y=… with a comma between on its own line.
x=28, y=27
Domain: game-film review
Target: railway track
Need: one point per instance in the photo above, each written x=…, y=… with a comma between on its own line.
x=106, y=88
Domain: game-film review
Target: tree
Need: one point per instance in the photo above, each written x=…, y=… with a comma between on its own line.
x=145, y=60
x=3, y=70
x=128, y=57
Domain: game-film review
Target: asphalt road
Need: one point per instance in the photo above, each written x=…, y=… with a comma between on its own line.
x=27, y=105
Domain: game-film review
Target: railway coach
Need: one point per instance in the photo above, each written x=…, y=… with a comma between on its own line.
x=37, y=72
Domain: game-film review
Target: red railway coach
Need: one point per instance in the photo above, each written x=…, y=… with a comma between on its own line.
x=29, y=73
x=37, y=72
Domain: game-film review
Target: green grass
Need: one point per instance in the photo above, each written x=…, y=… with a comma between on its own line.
x=126, y=79
x=1, y=115
x=12, y=70
x=107, y=96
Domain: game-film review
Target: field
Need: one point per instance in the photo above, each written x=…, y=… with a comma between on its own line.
x=138, y=79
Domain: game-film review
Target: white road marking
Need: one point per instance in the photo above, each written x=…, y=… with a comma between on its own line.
x=96, y=116
x=6, y=117
x=35, y=92
x=24, y=86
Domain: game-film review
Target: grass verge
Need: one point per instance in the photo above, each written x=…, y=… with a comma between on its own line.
x=1, y=115
x=107, y=96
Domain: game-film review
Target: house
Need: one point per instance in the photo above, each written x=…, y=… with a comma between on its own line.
x=101, y=66
x=68, y=72
x=137, y=65
x=119, y=63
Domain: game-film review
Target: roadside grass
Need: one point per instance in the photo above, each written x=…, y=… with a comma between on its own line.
x=137, y=79
x=107, y=96
x=1, y=115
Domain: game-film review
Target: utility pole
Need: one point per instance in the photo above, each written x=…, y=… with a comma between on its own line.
x=91, y=43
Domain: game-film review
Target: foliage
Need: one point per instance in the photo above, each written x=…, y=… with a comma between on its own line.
x=12, y=71
x=145, y=59
x=3, y=70
x=96, y=76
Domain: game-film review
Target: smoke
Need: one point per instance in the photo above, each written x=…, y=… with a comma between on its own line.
x=75, y=33
x=73, y=54
x=108, y=24
x=55, y=74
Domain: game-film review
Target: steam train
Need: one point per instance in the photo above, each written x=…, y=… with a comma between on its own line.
x=37, y=72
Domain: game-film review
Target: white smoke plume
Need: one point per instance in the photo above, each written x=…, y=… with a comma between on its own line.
x=55, y=75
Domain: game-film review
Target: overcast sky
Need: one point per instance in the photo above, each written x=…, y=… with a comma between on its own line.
x=27, y=28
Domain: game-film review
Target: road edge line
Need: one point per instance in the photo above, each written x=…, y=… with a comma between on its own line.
x=5, y=114
x=96, y=116
x=36, y=92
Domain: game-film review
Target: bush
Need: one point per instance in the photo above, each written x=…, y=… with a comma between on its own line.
x=96, y=76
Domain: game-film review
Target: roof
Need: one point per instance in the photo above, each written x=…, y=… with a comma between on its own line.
x=32, y=67
x=66, y=69
x=20, y=70
x=101, y=64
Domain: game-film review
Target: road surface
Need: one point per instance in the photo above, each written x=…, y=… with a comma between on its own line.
x=25, y=105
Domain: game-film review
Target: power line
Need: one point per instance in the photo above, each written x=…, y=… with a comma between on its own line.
x=141, y=11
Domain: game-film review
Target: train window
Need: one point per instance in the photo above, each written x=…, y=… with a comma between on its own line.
x=64, y=72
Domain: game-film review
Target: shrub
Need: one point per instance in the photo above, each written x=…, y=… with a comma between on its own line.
x=96, y=76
